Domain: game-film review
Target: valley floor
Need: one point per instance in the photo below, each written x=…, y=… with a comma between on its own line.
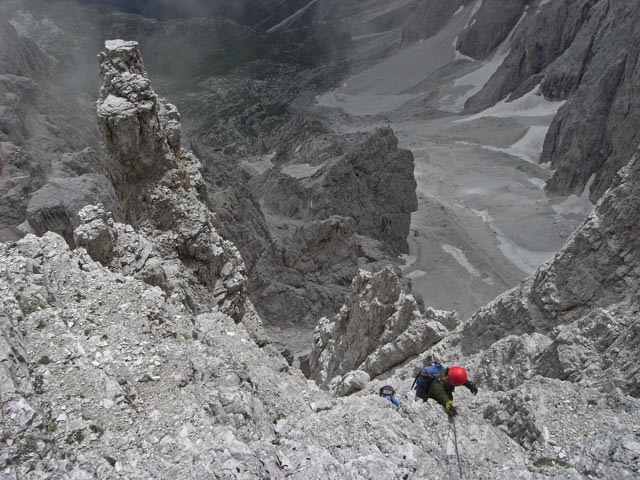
x=483, y=221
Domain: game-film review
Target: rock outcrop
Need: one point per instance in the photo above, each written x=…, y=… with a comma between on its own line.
x=334, y=204
x=584, y=52
x=428, y=18
x=126, y=389
x=19, y=174
x=72, y=184
x=378, y=328
x=585, y=300
x=106, y=376
x=159, y=185
x=490, y=26
x=307, y=275
x=372, y=182
x=241, y=218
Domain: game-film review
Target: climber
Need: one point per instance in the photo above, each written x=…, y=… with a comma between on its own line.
x=389, y=393
x=437, y=382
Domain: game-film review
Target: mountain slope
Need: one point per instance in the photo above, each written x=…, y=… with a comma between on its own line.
x=584, y=51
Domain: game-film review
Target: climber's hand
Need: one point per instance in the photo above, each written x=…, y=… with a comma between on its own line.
x=451, y=410
x=472, y=387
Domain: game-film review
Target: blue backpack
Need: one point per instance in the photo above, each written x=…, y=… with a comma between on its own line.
x=426, y=375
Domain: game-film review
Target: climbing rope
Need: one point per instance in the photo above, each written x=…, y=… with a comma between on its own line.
x=446, y=453
x=452, y=426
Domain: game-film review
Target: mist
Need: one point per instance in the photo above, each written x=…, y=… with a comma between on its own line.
x=256, y=13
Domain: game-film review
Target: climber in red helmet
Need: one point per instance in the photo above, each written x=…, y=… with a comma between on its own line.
x=437, y=382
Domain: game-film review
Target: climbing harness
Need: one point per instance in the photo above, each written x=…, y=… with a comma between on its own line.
x=452, y=426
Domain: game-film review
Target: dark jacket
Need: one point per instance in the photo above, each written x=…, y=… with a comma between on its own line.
x=440, y=391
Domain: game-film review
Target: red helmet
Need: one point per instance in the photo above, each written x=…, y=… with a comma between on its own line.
x=457, y=376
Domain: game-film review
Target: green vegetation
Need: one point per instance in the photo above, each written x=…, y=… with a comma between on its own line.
x=44, y=360
x=550, y=462
x=28, y=305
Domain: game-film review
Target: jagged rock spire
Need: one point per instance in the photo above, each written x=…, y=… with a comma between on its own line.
x=378, y=328
x=159, y=184
x=129, y=112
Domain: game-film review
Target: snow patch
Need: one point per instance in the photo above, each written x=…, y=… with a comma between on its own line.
x=537, y=182
x=291, y=19
x=476, y=7
x=461, y=258
x=580, y=205
x=369, y=35
x=542, y=4
x=458, y=55
x=459, y=10
x=301, y=170
x=532, y=104
x=483, y=214
x=362, y=104
x=408, y=260
x=258, y=165
x=528, y=148
x=416, y=274
x=526, y=260
x=479, y=77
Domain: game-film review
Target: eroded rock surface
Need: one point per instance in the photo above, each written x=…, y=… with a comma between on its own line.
x=585, y=300
x=333, y=204
x=159, y=185
x=491, y=24
x=378, y=328
x=584, y=52
x=371, y=182
x=428, y=18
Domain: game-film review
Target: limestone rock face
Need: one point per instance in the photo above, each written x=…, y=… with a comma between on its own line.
x=159, y=184
x=307, y=274
x=584, y=52
x=428, y=18
x=351, y=382
x=96, y=233
x=490, y=26
x=105, y=376
x=372, y=182
x=585, y=299
x=598, y=140
x=54, y=207
x=20, y=173
x=241, y=218
x=379, y=327
x=130, y=117
x=120, y=385
x=20, y=57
